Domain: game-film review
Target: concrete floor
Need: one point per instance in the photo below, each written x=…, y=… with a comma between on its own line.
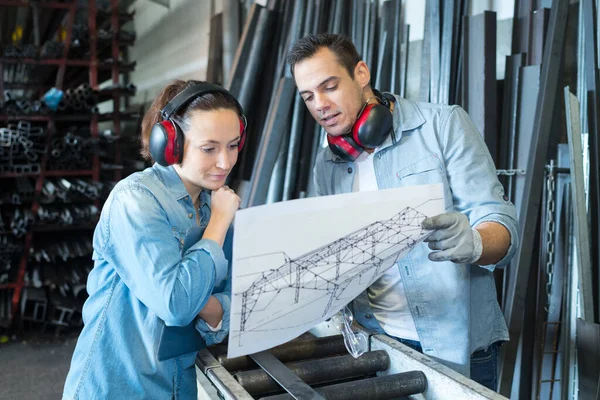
x=35, y=367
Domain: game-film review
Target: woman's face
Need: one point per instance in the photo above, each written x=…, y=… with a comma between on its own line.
x=210, y=149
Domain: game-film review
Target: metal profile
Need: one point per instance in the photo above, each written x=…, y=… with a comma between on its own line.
x=531, y=204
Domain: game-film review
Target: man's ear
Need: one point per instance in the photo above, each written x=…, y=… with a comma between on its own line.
x=362, y=75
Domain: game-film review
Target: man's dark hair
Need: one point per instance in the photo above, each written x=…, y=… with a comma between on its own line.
x=341, y=46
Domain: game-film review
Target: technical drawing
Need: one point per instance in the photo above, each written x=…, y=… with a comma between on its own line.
x=332, y=273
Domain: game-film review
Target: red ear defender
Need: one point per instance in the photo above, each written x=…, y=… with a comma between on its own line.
x=243, y=124
x=373, y=125
x=166, y=143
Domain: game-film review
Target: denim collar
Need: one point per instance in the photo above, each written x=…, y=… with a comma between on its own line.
x=174, y=184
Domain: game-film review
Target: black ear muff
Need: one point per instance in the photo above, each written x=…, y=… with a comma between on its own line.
x=166, y=143
x=372, y=126
x=166, y=137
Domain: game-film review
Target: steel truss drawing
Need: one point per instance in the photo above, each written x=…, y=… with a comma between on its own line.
x=329, y=270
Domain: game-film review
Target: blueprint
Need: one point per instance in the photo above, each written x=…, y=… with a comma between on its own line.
x=296, y=263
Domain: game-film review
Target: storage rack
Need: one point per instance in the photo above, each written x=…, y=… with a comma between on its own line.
x=101, y=63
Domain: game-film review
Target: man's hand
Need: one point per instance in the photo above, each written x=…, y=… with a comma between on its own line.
x=453, y=238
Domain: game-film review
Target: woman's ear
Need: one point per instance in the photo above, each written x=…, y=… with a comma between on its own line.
x=362, y=75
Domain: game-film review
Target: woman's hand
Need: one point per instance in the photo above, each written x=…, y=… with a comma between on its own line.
x=223, y=205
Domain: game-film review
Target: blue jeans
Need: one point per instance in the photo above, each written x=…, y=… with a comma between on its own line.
x=484, y=363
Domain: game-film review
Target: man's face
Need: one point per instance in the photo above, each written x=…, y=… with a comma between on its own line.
x=333, y=98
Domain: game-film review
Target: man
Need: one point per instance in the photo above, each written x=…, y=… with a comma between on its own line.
x=442, y=302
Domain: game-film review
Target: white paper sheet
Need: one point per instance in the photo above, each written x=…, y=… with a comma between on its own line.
x=297, y=263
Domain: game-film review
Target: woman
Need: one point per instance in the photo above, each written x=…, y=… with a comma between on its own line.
x=148, y=272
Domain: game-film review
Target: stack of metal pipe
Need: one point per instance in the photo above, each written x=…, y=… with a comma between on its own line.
x=324, y=364
x=82, y=98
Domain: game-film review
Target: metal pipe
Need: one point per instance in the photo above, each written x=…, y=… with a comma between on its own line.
x=378, y=388
x=270, y=142
x=318, y=371
x=296, y=350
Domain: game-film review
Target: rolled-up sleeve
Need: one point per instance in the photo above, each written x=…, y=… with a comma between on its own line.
x=471, y=172
x=140, y=244
x=209, y=335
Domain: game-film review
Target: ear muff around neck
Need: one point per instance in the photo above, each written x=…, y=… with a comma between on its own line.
x=372, y=127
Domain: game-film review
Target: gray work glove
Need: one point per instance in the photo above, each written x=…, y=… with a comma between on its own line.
x=453, y=238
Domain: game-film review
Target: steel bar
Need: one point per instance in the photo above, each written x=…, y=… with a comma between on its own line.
x=323, y=370
x=446, y=51
x=396, y=33
x=538, y=35
x=530, y=207
x=270, y=142
x=298, y=117
x=566, y=342
x=378, y=388
x=214, y=71
x=521, y=26
x=404, y=57
x=281, y=374
x=231, y=33
x=480, y=78
x=528, y=95
x=582, y=237
x=510, y=115
x=425, y=83
x=385, y=47
x=458, y=45
x=372, y=26
x=247, y=66
x=359, y=24
x=434, y=22
x=367, y=38
x=588, y=358
x=299, y=349
x=593, y=115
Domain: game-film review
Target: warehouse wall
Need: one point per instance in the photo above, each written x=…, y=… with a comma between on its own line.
x=173, y=42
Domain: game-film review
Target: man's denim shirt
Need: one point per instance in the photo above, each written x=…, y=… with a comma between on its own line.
x=438, y=144
x=139, y=278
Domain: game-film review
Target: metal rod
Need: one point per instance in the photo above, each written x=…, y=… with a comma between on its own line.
x=582, y=237
x=296, y=350
x=270, y=142
x=378, y=388
x=318, y=371
x=530, y=207
x=285, y=377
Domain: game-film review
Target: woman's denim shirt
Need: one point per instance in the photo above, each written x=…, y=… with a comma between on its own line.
x=140, y=282
x=454, y=306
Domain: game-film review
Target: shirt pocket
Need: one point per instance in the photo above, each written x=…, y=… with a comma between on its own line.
x=426, y=171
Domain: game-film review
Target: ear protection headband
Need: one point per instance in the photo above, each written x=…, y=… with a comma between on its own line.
x=166, y=137
x=372, y=126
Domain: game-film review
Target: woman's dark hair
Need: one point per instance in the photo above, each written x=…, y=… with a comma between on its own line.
x=205, y=102
x=341, y=46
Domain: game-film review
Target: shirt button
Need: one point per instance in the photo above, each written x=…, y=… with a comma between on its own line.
x=349, y=170
x=368, y=316
x=190, y=215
